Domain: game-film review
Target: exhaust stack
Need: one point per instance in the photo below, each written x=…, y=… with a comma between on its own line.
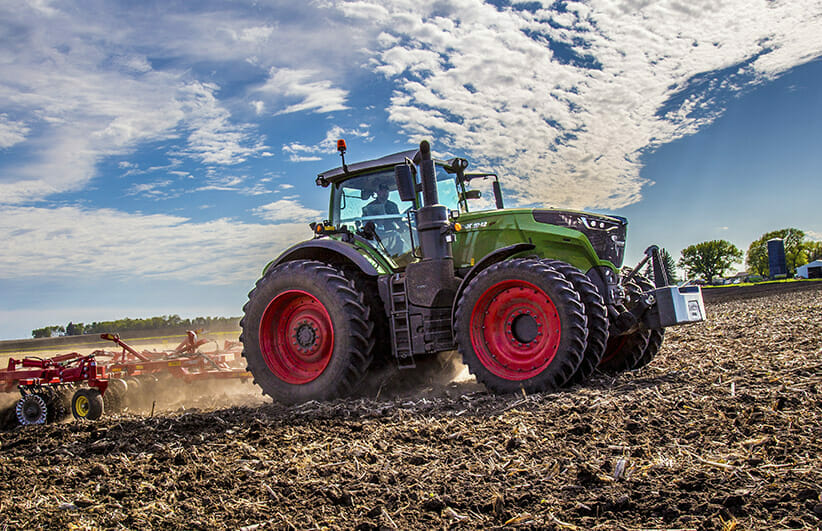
x=431, y=282
x=432, y=218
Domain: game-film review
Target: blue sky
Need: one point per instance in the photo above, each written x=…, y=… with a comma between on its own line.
x=154, y=157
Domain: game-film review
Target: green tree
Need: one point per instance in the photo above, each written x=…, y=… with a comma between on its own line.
x=74, y=329
x=668, y=263
x=709, y=259
x=48, y=331
x=814, y=250
x=795, y=251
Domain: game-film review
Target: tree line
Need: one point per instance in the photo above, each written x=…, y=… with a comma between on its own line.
x=711, y=259
x=131, y=325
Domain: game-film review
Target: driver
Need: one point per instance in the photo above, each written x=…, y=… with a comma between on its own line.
x=390, y=231
x=381, y=205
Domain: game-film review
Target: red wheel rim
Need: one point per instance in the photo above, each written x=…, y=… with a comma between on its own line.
x=296, y=337
x=515, y=329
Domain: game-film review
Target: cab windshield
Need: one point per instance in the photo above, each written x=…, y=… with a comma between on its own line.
x=374, y=197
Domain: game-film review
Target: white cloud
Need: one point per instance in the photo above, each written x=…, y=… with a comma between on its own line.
x=232, y=183
x=153, y=189
x=287, y=209
x=11, y=132
x=298, y=152
x=214, y=138
x=566, y=100
x=314, y=95
x=91, y=83
x=814, y=235
x=72, y=241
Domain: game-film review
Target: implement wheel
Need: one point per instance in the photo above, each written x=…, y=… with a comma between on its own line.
x=115, y=397
x=520, y=325
x=31, y=409
x=306, y=333
x=87, y=404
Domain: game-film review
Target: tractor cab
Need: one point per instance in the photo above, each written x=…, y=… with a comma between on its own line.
x=365, y=200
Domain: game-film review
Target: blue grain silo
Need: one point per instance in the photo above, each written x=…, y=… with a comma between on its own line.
x=777, y=267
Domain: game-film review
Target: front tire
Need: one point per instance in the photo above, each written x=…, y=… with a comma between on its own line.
x=597, y=320
x=521, y=325
x=306, y=333
x=656, y=335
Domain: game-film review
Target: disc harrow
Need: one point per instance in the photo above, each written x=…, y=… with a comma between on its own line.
x=106, y=381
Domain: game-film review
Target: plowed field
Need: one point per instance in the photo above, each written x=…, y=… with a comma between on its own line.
x=722, y=430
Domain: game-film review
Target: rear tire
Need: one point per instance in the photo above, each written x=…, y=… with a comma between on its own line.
x=624, y=352
x=520, y=325
x=306, y=333
x=596, y=316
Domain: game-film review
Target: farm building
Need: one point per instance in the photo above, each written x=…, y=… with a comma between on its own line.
x=812, y=270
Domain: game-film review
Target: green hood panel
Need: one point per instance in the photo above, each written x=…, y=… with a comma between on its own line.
x=483, y=232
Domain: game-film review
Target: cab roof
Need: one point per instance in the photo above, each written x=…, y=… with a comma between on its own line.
x=389, y=161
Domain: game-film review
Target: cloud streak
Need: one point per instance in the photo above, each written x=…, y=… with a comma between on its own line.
x=71, y=241
x=298, y=152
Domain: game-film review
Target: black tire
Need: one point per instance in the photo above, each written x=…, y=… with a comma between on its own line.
x=57, y=400
x=87, y=404
x=31, y=410
x=596, y=316
x=381, y=351
x=306, y=333
x=626, y=352
x=623, y=352
x=656, y=335
x=115, y=395
x=500, y=321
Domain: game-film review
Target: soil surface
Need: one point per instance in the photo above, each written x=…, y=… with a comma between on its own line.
x=721, y=431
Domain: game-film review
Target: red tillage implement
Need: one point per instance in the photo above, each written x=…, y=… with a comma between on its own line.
x=105, y=380
x=45, y=385
x=184, y=362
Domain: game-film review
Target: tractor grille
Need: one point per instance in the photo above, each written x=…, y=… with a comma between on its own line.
x=606, y=233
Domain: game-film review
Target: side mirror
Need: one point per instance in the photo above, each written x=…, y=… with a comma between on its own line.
x=404, y=175
x=498, y=194
x=470, y=194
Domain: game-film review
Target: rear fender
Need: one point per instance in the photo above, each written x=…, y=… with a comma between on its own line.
x=486, y=261
x=328, y=251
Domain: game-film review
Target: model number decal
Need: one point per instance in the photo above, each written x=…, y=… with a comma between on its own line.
x=475, y=225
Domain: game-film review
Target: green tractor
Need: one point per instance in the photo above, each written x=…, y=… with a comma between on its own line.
x=403, y=271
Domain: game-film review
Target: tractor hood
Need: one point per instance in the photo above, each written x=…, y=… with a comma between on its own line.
x=606, y=233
